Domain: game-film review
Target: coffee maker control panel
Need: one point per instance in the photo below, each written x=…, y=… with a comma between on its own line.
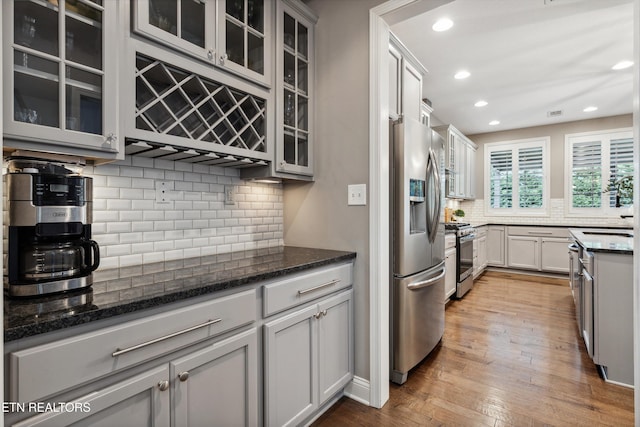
x=58, y=191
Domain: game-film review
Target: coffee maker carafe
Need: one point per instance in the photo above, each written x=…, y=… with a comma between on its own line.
x=49, y=234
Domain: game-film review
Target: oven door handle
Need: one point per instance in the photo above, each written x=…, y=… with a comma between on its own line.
x=467, y=238
x=428, y=282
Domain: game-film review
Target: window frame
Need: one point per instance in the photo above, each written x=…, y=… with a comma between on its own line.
x=604, y=211
x=514, y=146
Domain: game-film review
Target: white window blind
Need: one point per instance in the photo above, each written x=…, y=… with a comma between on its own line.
x=501, y=192
x=596, y=160
x=517, y=177
x=530, y=177
x=621, y=165
x=587, y=174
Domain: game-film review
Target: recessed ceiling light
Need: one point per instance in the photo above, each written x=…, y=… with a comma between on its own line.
x=481, y=103
x=463, y=74
x=590, y=109
x=494, y=122
x=622, y=65
x=442, y=24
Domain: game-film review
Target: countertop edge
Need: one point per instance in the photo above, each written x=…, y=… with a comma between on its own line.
x=25, y=331
x=577, y=234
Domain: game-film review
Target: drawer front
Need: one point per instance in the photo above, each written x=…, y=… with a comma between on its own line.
x=538, y=231
x=43, y=370
x=481, y=231
x=305, y=287
x=449, y=241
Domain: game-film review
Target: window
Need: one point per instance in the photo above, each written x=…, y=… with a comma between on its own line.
x=516, y=177
x=597, y=159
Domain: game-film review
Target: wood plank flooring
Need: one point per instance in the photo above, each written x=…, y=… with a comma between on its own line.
x=510, y=356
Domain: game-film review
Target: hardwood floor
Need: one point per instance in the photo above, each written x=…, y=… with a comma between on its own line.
x=510, y=356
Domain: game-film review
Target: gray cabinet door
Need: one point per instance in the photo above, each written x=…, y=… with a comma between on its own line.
x=335, y=361
x=135, y=402
x=218, y=385
x=291, y=389
x=553, y=254
x=495, y=246
x=523, y=252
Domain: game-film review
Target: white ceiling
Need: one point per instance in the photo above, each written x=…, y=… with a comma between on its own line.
x=526, y=58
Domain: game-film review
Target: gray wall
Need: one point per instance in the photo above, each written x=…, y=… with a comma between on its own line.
x=317, y=214
x=557, y=133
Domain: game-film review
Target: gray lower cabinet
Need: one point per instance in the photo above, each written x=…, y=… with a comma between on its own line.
x=538, y=248
x=524, y=252
x=186, y=391
x=141, y=400
x=308, y=358
x=218, y=385
x=177, y=359
x=496, y=245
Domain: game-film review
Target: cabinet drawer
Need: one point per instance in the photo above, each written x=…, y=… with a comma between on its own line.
x=46, y=369
x=302, y=288
x=449, y=241
x=538, y=231
x=481, y=231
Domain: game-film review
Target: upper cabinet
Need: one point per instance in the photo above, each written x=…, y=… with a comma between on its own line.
x=232, y=34
x=60, y=65
x=406, y=74
x=295, y=67
x=294, y=94
x=460, y=162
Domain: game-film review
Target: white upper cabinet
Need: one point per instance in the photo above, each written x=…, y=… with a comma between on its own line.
x=295, y=66
x=232, y=34
x=459, y=163
x=60, y=65
x=406, y=75
x=244, y=42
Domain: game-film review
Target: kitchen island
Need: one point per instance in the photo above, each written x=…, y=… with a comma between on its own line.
x=153, y=342
x=605, y=303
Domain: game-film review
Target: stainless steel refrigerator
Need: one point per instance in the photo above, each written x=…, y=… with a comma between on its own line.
x=417, y=285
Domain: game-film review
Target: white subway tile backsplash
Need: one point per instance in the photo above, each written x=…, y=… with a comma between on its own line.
x=133, y=229
x=474, y=213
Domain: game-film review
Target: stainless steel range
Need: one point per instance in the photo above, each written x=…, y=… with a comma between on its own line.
x=465, y=234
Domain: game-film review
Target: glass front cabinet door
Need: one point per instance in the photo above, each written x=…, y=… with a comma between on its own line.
x=232, y=34
x=60, y=64
x=294, y=153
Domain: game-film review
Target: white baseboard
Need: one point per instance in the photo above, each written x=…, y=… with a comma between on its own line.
x=359, y=390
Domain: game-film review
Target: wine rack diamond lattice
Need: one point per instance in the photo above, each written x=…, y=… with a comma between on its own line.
x=172, y=101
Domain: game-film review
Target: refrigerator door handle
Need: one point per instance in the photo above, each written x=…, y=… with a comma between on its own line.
x=433, y=216
x=428, y=282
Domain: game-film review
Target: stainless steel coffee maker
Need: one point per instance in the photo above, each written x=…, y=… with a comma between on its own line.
x=49, y=232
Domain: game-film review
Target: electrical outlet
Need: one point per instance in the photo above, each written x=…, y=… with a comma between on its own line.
x=162, y=192
x=229, y=195
x=357, y=194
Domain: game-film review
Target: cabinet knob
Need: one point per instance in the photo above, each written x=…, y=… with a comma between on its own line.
x=223, y=58
x=318, y=315
x=183, y=376
x=211, y=54
x=324, y=312
x=163, y=385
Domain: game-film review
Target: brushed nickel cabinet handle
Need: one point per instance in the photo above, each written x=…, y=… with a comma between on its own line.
x=316, y=288
x=118, y=351
x=183, y=376
x=163, y=385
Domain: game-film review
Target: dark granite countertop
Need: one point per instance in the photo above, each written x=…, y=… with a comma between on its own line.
x=482, y=224
x=129, y=289
x=598, y=239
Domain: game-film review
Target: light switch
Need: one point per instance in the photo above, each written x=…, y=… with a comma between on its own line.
x=357, y=194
